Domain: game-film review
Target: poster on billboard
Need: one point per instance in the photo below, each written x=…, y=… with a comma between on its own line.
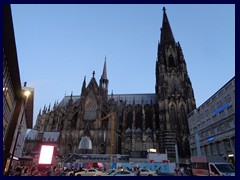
x=46, y=154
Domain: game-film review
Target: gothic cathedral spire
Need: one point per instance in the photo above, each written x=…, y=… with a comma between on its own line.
x=104, y=74
x=83, y=93
x=175, y=94
x=104, y=81
x=166, y=32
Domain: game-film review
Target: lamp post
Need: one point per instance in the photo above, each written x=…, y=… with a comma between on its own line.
x=26, y=95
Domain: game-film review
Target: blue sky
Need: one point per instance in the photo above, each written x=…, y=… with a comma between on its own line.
x=58, y=45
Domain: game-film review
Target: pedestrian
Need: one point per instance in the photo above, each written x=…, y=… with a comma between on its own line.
x=189, y=171
x=133, y=169
x=138, y=172
x=159, y=170
x=182, y=171
x=176, y=169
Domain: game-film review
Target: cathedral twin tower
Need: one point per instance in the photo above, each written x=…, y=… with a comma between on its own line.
x=139, y=121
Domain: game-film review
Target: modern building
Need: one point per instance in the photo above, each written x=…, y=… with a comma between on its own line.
x=212, y=125
x=96, y=122
x=17, y=108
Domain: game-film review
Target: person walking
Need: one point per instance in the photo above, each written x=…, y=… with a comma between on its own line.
x=182, y=171
x=135, y=171
x=159, y=170
x=176, y=169
x=138, y=172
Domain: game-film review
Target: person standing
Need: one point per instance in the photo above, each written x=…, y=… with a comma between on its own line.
x=176, y=169
x=135, y=171
x=138, y=172
x=159, y=170
x=182, y=171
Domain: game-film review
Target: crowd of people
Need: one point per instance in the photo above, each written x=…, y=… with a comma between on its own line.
x=33, y=170
x=181, y=171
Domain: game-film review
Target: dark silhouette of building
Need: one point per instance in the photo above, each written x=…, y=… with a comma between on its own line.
x=141, y=121
x=17, y=113
x=174, y=93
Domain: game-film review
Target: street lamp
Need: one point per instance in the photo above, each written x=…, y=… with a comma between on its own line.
x=26, y=94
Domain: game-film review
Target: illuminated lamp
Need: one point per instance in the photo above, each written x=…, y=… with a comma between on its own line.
x=151, y=150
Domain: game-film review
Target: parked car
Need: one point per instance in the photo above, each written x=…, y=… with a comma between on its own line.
x=147, y=172
x=89, y=172
x=70, y=173
x=122, y=173
x=106, y=173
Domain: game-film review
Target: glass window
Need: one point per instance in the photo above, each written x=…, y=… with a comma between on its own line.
x=228, y=125
x=212, y=108
x=214, y=116
x=228, y=145
x=222, y=127
x=220, y=148
x=200, y=165
x=214, y=97
x=227, y=98
x=228, y=86
x=230, y=109
x=215, y=130
x=226, y=168
x=213, y=169
x=232, y=124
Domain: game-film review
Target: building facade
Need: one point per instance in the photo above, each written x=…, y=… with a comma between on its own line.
x=96, y=122
x=212, y=125
x=17, y=112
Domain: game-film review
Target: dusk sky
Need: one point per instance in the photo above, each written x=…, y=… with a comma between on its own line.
x=57, y=45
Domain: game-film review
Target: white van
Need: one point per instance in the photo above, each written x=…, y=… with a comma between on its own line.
x=221, y=169
x=201, y=166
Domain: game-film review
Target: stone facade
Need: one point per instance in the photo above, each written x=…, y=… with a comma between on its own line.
x=141, y=121
x=212, y=125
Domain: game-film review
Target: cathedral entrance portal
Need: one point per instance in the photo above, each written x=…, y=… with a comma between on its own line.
x=102, y=149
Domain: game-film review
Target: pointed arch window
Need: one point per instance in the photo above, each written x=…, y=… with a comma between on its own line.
x=102, y=149
x=183, y=116
x=85, y=143
x=128, y=144
x=139, y=144
x=173, y=117
x=129, y=119
x=171, y=61
x=149, y=143
x=149, y=118
x=90, y=107
x=138, y=118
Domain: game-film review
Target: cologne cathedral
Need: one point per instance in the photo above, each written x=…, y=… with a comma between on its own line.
x=99, y=122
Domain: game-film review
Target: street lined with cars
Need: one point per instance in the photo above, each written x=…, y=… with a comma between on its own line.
x=90, y=172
